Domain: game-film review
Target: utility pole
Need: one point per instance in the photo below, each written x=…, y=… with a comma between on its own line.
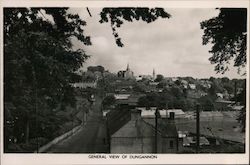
x=235, y=91
x=36, y=108
x=197, y=128
x=156, y=128
x=108, y=136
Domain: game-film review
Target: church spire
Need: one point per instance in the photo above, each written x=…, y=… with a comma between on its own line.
x=127, y=66
x=153, y=73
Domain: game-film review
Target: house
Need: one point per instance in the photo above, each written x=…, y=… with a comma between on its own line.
x=237, y=107
x=174, y=79
x=214, y=125
x=138, y=78
x=148, y=77
x=131, y=100
x=130, y=133
x=205, y=83
x=170, y=142
x=223, y=95
x=239, y=90
x=221, y=105
x=150, y=113
x=193, y=94
x=192, y=86
x=84, y=85
x=178, y=113
x=121, y=96
x=184, y=84
x=202, y=93
x=191, y=141
x=220, y=95
x=152, y=83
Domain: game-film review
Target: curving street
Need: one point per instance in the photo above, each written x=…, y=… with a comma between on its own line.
x=89, y=139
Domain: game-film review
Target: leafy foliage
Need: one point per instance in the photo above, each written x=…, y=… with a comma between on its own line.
x=241, y=97
x=39, y=67
x=207, y=103
x=96, y=69
x=117, y=16
x=108, y=101
x=152, y=100
x=159, y=78
x=227, y=34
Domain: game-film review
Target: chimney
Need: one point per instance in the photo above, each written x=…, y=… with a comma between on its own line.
x=171, y=115
x=135, y=114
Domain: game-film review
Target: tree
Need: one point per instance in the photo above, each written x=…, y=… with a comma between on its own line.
x=108, y=101
x=229, y=88
x=177, y=92
x=39, y=67
x=178, y=82
x=152, y=100
x=207, y=103
x=159, y=78
x=140, y=87
x=161, y=84
x=227, y=34
x=96, y=68
x=242, y=116
x=145, y=102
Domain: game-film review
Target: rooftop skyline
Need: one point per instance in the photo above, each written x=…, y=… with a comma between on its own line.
x=173, y=47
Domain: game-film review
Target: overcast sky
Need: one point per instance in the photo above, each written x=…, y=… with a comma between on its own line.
x=173, y=47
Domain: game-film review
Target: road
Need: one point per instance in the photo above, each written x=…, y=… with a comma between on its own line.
x=90, y=138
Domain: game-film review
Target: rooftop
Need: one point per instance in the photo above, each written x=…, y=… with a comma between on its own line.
x=125, y=124
x=166, y=127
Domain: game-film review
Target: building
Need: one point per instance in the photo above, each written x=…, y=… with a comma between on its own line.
x=147, y=77
x=154, y=74
x=206, y=84
x=127, y=74
x=184, y=83
x=192, y=86
x=152, y=83
x=178, y=113
x=84, y=85
x=130, y=133
x=222, y=105
x=129, y=101
x=121, y=96
x=150, y=113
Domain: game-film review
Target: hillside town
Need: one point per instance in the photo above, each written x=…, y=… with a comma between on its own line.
x=123, y=113
x=157, y=114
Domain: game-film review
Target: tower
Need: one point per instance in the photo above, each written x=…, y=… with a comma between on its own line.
x=128, y=74
x=153, y=74
x=127, y=67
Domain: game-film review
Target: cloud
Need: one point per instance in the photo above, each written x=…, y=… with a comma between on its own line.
x=172, y=46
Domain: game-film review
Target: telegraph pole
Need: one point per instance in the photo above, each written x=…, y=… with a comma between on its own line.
x=197, y=128
x=235, y=92
x=156, y=128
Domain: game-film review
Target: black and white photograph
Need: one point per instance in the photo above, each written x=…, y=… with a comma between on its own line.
x=141, y=80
